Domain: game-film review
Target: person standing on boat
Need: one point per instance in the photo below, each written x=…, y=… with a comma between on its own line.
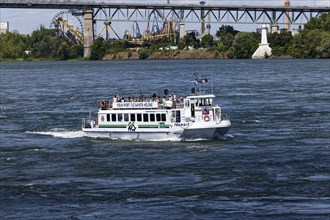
x=174, y=100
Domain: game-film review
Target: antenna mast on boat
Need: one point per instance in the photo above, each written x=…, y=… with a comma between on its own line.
x=212, y=91
x=197, y=81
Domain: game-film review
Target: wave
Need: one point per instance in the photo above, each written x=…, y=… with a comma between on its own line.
x=61, y=133
x=251, y=121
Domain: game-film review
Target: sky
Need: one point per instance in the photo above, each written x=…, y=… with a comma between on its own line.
x=25, y=21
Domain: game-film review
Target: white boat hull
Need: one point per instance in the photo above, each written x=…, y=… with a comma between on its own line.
x=194, y=131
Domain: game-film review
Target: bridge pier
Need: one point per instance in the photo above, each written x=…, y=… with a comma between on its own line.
x=88, y=32
x=182, y=32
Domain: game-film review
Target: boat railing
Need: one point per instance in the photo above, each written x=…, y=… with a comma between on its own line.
x=168, y=104
x=89, y=122
x=225, y=117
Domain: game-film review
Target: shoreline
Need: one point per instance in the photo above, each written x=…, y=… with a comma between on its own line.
x=135, y=55
x=166, y=55
x=156, y=55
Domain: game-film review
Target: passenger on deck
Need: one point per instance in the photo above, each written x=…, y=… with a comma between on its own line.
x=164, y=100
x=174, y=100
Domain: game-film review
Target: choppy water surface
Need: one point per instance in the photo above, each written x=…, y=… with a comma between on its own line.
x=274, y=163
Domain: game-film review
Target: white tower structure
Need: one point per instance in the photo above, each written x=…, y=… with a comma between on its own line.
x=263, y=49
x=4, y=27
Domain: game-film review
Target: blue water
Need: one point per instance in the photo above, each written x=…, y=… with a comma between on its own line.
x=273, y=164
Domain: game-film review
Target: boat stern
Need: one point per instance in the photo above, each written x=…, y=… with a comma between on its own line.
x=215, y=131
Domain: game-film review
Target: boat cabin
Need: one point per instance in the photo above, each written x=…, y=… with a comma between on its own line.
x=168, y=110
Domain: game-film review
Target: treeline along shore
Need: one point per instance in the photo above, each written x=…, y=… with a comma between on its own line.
x=313, y=41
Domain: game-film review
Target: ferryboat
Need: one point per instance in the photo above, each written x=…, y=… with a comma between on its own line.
x=160, y=118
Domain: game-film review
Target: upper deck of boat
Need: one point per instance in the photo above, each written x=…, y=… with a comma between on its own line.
x=155, y=102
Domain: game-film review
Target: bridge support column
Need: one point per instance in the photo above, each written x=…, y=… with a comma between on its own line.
x=88, y=32
x=182, y=32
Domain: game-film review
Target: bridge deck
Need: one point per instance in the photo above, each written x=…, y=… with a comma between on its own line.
x=75, y=4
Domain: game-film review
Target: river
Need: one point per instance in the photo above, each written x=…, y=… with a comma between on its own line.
x=273, y=164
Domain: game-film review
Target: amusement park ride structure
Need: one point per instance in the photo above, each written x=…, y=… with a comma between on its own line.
x=157, y=28
x=68, y=26
x=159, y=23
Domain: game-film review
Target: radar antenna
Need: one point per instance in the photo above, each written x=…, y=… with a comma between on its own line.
x=197, y=81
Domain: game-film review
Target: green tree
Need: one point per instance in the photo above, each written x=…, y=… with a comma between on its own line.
x=45, y=43
x=280, y=39
x=226, y=29
x=323, y=49
x=144, y=54
x=13, y=45
x=314, y=40
x=98, y=49
x=226, y=40
x=322, y=23
x=190, y=40
x=226, y=34
x=76, y=51
x=310, y=44
x=181, y=45
x=63, y=51
x=244, y=45
x=279, y=42
x=207, y=41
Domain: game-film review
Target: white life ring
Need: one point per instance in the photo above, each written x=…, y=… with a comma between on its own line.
x=102, y=118
x=206, y=118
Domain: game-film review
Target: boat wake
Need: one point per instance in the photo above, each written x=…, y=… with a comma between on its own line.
x=67, y=134
x=61, y=133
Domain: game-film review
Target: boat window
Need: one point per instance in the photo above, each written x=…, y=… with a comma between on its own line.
x=203, y=102
x=186, y=103
x=139, y=117
x=163, y=117
x=132, y=117
x=177, y=116
x=209, y=102
x=192, y=109
x=113, y=117
x=120, y=117
x=125, y=117
x=152, y=117
x=145, y=118
x=158, y=117
x=108, y=117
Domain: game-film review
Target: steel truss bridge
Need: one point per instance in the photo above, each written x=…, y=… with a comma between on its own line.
x=153, y=11
x=187, y=13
